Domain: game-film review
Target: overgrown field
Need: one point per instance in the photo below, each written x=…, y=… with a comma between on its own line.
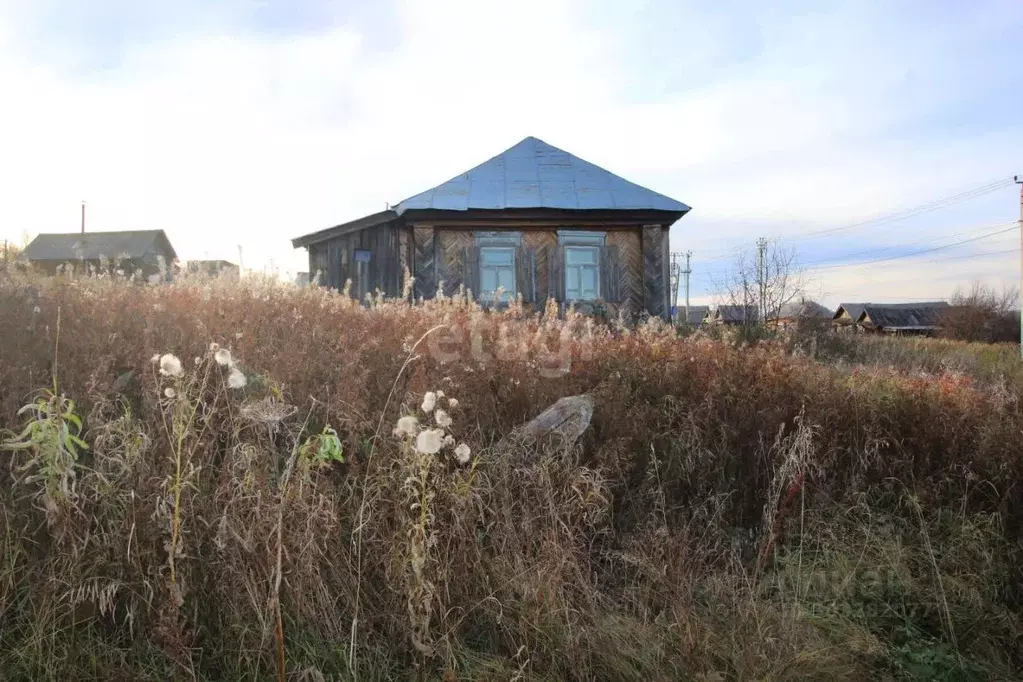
x=774, y=511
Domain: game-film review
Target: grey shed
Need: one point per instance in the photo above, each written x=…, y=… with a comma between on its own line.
x=129, y=250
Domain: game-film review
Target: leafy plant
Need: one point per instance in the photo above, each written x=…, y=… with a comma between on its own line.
x=51, y=437
x=323, y=448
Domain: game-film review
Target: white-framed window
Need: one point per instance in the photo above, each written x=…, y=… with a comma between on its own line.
x=497, y=264
x=582, y=264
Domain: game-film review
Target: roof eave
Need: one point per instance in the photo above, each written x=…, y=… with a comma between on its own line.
x=624, y=215
x=371, y=220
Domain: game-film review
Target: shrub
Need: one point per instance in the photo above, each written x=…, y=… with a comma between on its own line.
x=983, y=315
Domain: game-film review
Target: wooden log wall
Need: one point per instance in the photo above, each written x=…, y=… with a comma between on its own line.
x=539, y=241
x=637, y=282
x=451, y=267
x=630, y=267
x=655, y=269
x=424, y=257
x=334, y=260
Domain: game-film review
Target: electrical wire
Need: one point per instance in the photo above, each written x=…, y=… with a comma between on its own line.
x=879, y=250
x=915, y=253
x=911, y=212
x=896, y=216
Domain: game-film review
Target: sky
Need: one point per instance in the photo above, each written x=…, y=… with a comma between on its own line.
x=245, y=123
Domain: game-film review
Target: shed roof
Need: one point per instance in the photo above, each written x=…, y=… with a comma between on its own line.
x=803, y=309
x=904, y=315
x=696, y=313
x=736, y=313
x=93, y=245
x=534, y=174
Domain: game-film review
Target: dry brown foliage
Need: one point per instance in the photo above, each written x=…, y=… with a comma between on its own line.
x=208, y=533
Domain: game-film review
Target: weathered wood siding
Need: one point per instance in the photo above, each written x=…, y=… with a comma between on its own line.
x=451, y=250
x=655, y=269
x=424, y=260
x=334, y=261
x=540, y=241
x=634, y=263
x=630, y=263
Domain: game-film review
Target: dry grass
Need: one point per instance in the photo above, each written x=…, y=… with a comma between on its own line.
x=732, y=513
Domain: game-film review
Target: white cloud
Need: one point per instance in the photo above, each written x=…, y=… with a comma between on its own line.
x=225, y=138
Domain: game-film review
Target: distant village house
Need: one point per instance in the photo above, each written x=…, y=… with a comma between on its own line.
x=796, y=312
x=212, y=268
x=891, y=318
x=734, y=315
x=148, y=251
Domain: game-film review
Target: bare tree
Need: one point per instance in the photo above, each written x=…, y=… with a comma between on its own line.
x=983, y=314
x=763, y=280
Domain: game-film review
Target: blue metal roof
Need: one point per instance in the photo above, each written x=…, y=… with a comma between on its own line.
x=533, y=174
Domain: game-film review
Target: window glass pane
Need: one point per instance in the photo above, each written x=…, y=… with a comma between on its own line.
x=488, y=279
x=580, y=237
x=589, y=285
x=512, y=239
x=497, y=270
x=497, y=256
x=582, y=273
x=575, y=255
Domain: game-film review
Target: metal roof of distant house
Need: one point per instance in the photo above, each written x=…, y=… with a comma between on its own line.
x=736, y=313
x=803, y=309
x=854, y=310
x=534, y=174
x=904, y=315
x=93, y=245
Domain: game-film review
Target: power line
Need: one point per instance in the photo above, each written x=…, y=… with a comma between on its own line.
x=896, y=216
x=879, y=250
x=915, y=253
x=912, y=212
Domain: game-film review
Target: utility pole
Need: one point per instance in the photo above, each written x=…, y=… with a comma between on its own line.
x=761, y=277
x=83, y=217
x=688, y=271
x=1019, y=182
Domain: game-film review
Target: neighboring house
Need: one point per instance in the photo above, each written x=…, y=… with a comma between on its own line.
x=734, y=315
x=147, y=250
x=796, y=311
x=695, y=317
x=212, y=268
x=903, y=318
x=534, y=221
x=847, y=316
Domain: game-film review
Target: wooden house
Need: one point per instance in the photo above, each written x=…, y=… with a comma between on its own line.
x=847, y=316
x=534, y=221
x=734, y=315
x=796, y=312
x=212, y=268
x=148, y=251
x=903, y=318
x=694, y=317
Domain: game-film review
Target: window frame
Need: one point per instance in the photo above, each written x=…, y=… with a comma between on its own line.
x=492, y=242
x=581, y=240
